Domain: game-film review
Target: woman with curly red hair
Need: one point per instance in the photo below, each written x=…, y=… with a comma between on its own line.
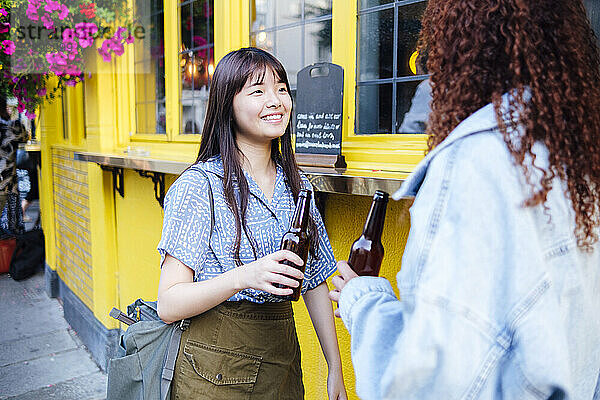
x=500, y=279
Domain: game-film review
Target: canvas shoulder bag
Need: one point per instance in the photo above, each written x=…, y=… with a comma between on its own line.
x=151, y=348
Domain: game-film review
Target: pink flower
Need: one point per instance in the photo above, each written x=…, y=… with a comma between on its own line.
x=41, y=92
x=71, y=82
x=73, y=70
x=129, y=39
x=9, y=46
x=20, y=107
x=3, y=12
x=64, y=11
x=72, y=49
x=104, y=52
x=57, y=58
x=51, y=6
x=117, y=47
x=68, y=36
x=32, y=11
x=4, y=27
x=47, y=21
x=85, y=32
x=119, y=32
x=29, y=115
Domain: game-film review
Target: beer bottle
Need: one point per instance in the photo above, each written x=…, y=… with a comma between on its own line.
x=366, y=253
x=296, y=238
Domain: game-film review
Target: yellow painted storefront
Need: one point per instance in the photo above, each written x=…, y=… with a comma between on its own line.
x=101, y=246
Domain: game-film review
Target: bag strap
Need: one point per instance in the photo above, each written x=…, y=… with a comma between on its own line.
x=173, y=348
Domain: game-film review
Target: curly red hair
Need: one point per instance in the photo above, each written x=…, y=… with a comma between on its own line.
x=477, y=50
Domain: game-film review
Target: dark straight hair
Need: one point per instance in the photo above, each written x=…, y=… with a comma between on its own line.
x=218, y=136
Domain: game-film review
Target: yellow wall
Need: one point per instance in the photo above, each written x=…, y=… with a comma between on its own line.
x=119, y=262
x=344, y=219
x=72, y=229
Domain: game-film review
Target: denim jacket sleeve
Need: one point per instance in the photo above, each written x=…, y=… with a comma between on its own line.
x=472, y=273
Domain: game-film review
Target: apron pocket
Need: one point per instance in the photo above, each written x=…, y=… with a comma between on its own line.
x=218, y=372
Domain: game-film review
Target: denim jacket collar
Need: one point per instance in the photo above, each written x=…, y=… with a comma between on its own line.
x=483, y=120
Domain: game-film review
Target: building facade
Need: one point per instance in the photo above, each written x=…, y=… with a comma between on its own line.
x=113, y=145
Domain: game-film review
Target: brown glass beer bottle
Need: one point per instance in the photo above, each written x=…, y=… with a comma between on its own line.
x=296, y=238
x=366, y=253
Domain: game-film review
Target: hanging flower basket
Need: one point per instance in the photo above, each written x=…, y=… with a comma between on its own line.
x=43, y=38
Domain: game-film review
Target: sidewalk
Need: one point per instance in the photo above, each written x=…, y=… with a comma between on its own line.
x=41, y=356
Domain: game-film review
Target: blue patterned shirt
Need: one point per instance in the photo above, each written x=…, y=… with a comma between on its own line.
x=186, y=227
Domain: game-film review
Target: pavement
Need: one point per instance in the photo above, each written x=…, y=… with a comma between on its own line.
x=41, y=356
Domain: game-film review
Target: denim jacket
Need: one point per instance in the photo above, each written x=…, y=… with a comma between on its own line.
x=497, y=301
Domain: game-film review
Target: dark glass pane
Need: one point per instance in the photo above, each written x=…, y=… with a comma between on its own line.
x=362, y=4
x=376, y=40
x=157, y=49
x=149, y=68
x=316, y=8
x=413, y=102
x=374, y=114
x=196, y=64
x=186, y=26
x=317, y=42
x=289, y=55
x=157, y=6
x=200, y=25
x=160, y=78
x=409, y=26
x=161, y=119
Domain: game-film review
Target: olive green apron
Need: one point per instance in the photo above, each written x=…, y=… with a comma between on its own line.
x=240, y=350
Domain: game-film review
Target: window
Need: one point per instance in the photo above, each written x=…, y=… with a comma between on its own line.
x=392, y=91
x=196, y=61
x=149, y=67
x=297, y=32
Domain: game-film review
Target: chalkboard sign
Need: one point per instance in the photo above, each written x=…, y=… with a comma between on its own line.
x=318, y=127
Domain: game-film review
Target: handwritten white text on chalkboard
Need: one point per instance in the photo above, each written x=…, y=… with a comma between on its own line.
x=330, y=116
x=319, y=144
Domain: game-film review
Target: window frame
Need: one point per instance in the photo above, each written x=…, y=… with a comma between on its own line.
x=373, y=152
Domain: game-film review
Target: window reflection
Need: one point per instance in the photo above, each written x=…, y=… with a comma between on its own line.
x=389, y=94
x=149, y=69
x=196, y=61
x=297, y=32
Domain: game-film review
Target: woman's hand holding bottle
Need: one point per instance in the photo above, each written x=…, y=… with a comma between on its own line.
x=262, y=273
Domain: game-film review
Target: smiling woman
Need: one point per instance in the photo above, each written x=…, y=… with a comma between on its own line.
x=241, y=279
x=262, y=108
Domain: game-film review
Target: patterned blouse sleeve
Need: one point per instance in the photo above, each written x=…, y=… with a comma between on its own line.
x=318, y=268
x=186, y=224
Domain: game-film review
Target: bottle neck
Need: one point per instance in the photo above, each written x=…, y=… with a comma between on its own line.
x=300, y=218
x=374, y=225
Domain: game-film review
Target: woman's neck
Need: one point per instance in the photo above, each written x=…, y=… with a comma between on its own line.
x=256, y=159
